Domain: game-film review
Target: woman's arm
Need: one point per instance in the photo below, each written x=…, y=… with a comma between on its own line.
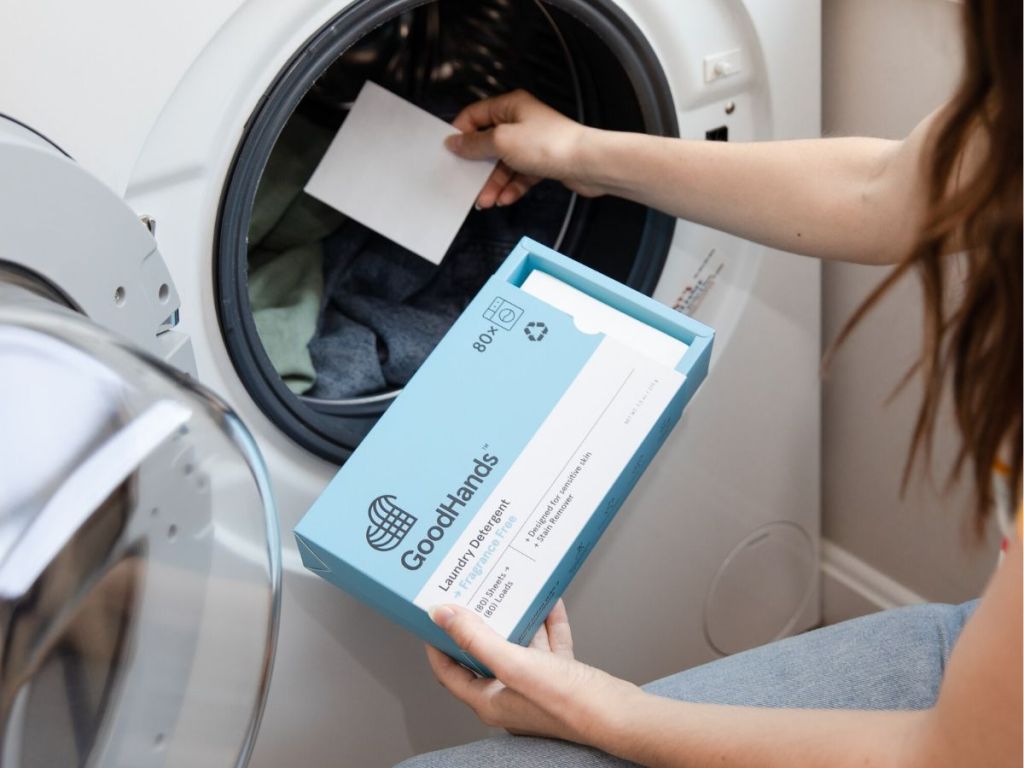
x=847, y=199
x=543, y=691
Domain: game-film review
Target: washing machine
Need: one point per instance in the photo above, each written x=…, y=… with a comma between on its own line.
x=189, y=111
x=140, y=559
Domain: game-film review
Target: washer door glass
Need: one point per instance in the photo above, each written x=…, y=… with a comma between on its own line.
x=139, y=555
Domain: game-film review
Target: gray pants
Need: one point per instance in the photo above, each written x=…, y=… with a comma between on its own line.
x=889, y=660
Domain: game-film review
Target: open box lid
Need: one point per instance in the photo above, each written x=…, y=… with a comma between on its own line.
x=531, y=265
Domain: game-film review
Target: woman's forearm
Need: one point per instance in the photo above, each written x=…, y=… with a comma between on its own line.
x=846, y=199
x=673, y=734
x=859, y=200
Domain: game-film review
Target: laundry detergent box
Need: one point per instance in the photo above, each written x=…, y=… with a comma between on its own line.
x=493, y=474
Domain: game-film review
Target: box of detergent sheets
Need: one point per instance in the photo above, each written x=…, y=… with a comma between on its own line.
x=494, y=473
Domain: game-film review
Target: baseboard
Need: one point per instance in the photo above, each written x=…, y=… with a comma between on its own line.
x=850, y=587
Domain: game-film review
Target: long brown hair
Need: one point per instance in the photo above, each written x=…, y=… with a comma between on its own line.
x=973, y=339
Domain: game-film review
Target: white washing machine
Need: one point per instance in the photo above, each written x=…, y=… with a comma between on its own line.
x=179, y=108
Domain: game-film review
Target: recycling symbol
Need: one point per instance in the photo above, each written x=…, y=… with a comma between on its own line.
x=535, y=330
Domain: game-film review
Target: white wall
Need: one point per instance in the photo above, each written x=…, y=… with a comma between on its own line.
x=887, y=64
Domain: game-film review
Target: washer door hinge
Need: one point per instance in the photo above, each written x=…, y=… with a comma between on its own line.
x=149, y=222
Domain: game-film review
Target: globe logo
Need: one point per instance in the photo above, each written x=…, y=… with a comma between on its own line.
x=389, y=523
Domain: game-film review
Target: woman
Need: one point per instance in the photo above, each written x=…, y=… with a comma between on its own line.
x=886, y=689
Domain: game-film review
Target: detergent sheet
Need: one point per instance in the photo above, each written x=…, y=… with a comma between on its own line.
x=388, y=169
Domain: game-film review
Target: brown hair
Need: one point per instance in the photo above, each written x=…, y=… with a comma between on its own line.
x=975, y=338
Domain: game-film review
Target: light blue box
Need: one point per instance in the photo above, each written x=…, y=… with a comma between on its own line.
x=492, y=476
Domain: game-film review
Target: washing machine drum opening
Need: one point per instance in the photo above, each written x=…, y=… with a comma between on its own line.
x=326, y=320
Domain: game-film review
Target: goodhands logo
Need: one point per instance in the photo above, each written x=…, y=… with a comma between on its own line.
x=389, y=523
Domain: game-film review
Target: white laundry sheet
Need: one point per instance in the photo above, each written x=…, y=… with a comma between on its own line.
x=593, y=316
x=388, y=169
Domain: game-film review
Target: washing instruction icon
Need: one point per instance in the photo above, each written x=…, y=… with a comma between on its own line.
x=535, y=330
x=503, y=313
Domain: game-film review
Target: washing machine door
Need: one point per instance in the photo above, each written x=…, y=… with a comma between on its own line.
x=139, y=547
x=60, y=223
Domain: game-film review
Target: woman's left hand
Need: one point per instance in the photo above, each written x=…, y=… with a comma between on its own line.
x=538, y=691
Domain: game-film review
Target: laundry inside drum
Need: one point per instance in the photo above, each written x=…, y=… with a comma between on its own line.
x=343, y=313
x=324, y=320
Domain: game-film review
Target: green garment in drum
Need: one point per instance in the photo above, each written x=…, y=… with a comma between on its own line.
x=284, y=216
x=284, y=292
x=285, y=254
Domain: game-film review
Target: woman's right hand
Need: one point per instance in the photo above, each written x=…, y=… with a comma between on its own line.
x=531, y=142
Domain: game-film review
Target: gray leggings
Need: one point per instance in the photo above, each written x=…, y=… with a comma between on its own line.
x=889, y=660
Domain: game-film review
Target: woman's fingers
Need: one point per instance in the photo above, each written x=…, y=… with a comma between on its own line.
x=547, y=693
x=493, y=703
x=504, y=187
x=515, y=189
x=461, y=682
x=540, y=639
x=528, y=137
x=478, y=126
x=478, y=145
x=558, y=632
x=520, y=132
x=506, y=660
x=479, y=694
x=495, y=185
x=488, y=112
x=448, y=672
x=476, y=116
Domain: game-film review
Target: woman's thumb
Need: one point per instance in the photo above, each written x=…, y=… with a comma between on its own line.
x=477, y=145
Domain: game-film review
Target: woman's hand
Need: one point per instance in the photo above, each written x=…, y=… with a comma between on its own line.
x=538, y=691
x=530, y=139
